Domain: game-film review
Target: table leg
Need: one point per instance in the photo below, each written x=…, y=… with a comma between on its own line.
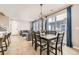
x=35, y=44
x=32, y=41
x=47, y=47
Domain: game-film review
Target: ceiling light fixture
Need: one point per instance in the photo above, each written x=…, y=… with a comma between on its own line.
x=41, y=15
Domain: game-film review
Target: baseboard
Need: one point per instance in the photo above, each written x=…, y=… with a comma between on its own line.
x=77, y=47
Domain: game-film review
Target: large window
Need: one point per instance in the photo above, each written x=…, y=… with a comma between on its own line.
x=54, y=23
x=61, y=22
x=49, y=28
x=36, y=26
x=33, y=26
x=57, y=23
x=50, y=24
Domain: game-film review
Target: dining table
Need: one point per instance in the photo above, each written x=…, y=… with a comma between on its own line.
x=48, y=38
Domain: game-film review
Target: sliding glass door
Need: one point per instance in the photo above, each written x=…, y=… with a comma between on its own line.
x=61, y=24
x=58, y=23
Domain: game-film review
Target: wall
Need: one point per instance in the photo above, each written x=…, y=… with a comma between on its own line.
x=75, y=25
x=4, y=22
x=23, y=25
x=16, y=26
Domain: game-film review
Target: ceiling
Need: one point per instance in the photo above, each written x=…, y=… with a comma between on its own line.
x=27, y=12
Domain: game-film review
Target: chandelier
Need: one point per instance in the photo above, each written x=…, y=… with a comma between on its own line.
x=41, y=17
x=41, y=13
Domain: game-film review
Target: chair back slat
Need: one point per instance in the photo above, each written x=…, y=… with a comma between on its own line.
x=37, y=36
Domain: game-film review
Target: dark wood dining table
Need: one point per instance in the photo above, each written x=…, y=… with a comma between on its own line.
x=48, y=38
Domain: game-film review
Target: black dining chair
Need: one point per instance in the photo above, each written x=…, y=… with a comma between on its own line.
x=8, y=38
x=1, y=47
x=33, y=38
x=4, y=43
x=40, y=43
x=56, y=45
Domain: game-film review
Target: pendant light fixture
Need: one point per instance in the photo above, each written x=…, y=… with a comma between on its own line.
x=41, y=18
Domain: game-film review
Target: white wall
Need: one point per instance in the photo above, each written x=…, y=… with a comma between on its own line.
x=75, y=25
x=16, y=26
x=23, y=25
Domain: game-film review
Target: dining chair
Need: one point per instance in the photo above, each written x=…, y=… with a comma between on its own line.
x=1, y=47
x=8, y=38
x=56, y=45
x=40, y=43
x=33, y=38
x=4, y=42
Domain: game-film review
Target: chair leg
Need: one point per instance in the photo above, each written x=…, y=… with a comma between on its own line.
x=55, y=51
x=32, y=43
x=61, y=51
x=40, y=50
x=2, y=50
x=6, y=45
x=8, y=42
x=36, y=47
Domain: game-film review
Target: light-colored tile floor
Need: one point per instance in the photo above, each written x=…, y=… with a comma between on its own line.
x=20, y=46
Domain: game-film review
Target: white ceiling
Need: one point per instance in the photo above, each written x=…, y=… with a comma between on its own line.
x=27, y=12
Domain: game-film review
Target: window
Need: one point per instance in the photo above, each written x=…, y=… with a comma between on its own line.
x=50, y=24
x=33, y=26
x=36, y=26
x=61, y=22
x=51, y=20
x=61, y=17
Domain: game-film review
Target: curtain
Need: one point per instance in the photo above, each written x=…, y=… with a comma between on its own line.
x=46, y=25
x=69, y=27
